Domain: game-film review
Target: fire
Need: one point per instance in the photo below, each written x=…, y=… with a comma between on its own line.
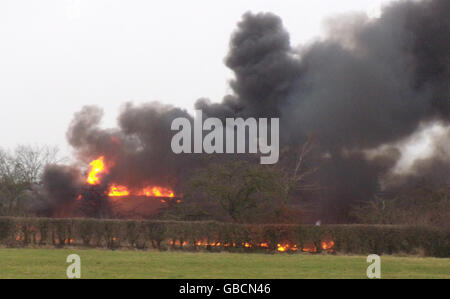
x=206, y=243
x=98, y=166
x=95, y=168
x=281, y=247
x=309, y=247
x=327, y=244
x=247, y=245
x=178, y=243
x=156, y=192
x=118, y=190
x=264, y=245
x=286, y=247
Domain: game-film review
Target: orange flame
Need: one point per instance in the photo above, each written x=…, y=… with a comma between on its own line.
x=286, y=247
x=118, y=190
x=309, y=247
x=327, y=244
x=95, y=168
x=98, y=166
x=247, y=245
x=206, y=243
x=281, y=247
x=156, y=192
x=178, y=243
x=264, y=245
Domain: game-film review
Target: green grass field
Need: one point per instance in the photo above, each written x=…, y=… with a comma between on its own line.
x=51, y=263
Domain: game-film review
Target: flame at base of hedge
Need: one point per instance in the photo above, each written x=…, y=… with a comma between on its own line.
x=281, y=247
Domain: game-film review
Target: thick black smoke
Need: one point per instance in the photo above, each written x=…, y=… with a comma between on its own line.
x=371, y=82
x=265, y=68
x=62, y=185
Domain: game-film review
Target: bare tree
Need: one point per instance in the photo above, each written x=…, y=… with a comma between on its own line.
x=298, y=168
x=31, y=160
x=19, y=171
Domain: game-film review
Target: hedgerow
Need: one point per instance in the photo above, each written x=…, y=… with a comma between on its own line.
x=216, y=236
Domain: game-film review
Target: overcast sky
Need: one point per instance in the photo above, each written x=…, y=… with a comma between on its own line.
x=58, y=55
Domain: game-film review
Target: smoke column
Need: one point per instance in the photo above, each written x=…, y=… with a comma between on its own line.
x=370, y=83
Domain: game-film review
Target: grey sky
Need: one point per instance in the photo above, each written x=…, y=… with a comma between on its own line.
x=58, y=55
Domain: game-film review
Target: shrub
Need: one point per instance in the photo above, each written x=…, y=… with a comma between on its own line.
x=216, y=236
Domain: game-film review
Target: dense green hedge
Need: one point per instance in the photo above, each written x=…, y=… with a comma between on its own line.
x=215, y=236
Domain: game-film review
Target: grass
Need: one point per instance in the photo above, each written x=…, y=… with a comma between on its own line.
x=51, y=263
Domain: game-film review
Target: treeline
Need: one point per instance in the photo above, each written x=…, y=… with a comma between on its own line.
x=217, y=236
